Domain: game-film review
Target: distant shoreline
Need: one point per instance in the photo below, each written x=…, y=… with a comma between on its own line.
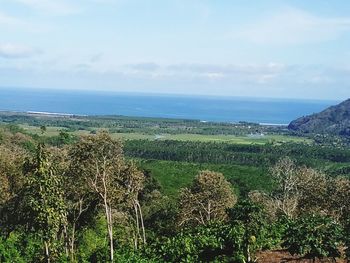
x=49, y=113
x=273, y=124
x=44, y=113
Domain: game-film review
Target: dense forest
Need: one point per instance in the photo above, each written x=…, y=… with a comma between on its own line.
x=92, y=198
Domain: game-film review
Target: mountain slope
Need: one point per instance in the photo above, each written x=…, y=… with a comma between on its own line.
x=333, y=120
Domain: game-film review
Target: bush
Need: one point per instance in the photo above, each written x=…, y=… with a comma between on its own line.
x=9, y=251
x=314, y=236
x=213, y=242
x=132, y=256
x=256, y=228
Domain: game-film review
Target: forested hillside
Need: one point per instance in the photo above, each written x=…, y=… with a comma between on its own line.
x=93, y=198
x=334, y=120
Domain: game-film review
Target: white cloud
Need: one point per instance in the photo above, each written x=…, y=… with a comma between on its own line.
x=143, y=66
x=7, y=20
x=51, y=7
x=17, y=51
x=294, y=26
x=214, y=75
x=228, y=69
x=298, y=81
x=243, y=73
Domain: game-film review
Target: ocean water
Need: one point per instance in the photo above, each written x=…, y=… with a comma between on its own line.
x=205, y=108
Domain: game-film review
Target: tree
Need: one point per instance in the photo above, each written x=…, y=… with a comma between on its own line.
x=43, y=129
x=99, y=159
x=312, y=191
x=206, y=200
x=131, y=181
x=11, y=177
x=286, y=197
x=78, y=196
x=339, y=198
x=44, y=200
x=299, y=190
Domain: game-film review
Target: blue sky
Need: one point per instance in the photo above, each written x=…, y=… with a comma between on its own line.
x=256, y=48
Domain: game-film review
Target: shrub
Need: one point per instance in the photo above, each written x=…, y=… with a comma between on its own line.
x=313, y=236
x=213, y=242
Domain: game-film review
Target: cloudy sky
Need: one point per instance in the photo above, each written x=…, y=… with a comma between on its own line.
x=256, y=48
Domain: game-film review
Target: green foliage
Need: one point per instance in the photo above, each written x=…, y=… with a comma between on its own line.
x=173, y=175
x=63, y=138
x=31, y=247
x=92, y=240
x=43, y=129
x=206, y=200
x=29, y=146
x=132, y=256
x=347, y=238
x=20, y=246
x=274, y=233
x=9, y=251
x=214, y=242
x=44, y=198
x=254, y=220
x=313, y=236
x=13, y=128
x=123, y=124
x=240, y=154
x=36, y=212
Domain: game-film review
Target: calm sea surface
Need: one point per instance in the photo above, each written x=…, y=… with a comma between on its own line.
x=276, y=111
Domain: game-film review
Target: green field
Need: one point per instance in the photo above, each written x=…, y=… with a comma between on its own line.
x=248, y=139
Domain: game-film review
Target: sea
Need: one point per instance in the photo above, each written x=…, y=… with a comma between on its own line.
x=203, y=108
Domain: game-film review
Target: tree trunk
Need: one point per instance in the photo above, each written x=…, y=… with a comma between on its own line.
x=75, y=220
x=137, y=225
x=108, y=211
x=66, y=240
x=72, y=241
x=47, y=253
x=142, y=223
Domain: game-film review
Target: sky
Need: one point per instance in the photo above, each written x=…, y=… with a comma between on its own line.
x=255, y=48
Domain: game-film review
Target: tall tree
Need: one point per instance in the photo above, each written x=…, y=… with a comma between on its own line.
x=339, y=198
x=207, y=199
x=131, y=181
x=312, y=191
x=44, y=200
x=79, y=197
x=11, y=177
x=99, y=160
x=285, y=174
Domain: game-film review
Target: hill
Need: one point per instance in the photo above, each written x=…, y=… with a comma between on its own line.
x=333, y=120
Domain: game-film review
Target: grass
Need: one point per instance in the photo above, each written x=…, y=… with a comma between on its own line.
x=50, y=131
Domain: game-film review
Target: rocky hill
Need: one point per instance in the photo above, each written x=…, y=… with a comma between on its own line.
x=333, y=120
